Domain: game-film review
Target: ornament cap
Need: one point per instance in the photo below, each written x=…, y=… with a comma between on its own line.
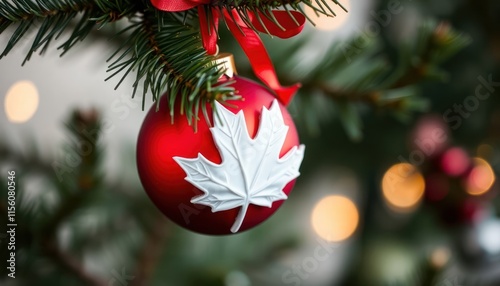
x=226, y=61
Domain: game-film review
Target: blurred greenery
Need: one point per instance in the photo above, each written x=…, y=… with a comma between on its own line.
x=87, y=230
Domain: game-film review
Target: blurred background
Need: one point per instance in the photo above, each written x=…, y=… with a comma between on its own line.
x=398, y=185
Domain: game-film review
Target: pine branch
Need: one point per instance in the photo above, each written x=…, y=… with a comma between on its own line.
x=50, y=249
x=163, y=49
x=86, y=182
x=167, y=54
x=355, y=75
x=55, y=17
x=438, y=44
x=87, y=173
x=320, y=6
x=264, y=8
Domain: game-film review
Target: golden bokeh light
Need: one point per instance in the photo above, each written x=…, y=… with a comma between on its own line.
x=335, y=218
x=326, y=23
x=403, y=187
x=481, y=178
x=21, y=101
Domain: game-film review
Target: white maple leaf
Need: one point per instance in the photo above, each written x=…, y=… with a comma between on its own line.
x=251, y=171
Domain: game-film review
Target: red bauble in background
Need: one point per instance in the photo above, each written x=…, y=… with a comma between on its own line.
x=170, y=186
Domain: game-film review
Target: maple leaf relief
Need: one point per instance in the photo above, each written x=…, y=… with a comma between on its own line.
x=251, y=171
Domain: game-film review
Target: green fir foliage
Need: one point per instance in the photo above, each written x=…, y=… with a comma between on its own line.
x=163, y=49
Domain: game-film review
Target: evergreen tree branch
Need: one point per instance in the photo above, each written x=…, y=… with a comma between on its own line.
x=372, y=82
x=88, y=178
x=167, y=54
x=431, y=49
x=50, y=249
x=55, y=17
x=320, y=6
x=82, y=126
x=263, y=8
x=163, y=49
x=29, y=217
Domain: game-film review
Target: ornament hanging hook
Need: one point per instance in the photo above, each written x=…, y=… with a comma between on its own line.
x=226, y=61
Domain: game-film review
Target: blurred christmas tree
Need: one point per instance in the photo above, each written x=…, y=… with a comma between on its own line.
x=405, y=199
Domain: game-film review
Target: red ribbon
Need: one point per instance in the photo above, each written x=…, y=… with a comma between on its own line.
x=177, y=5
x=290, y=24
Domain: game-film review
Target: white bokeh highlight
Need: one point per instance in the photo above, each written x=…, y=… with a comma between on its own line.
x=21, y=101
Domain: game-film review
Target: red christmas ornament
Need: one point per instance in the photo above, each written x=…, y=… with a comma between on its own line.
x=220, y=180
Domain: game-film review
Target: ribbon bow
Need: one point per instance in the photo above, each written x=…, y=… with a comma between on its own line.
x=287, y=24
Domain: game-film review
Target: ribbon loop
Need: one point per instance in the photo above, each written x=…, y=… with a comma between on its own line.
x=284, y=25
x=260, y=61
x=176, y=6
x=208, y=32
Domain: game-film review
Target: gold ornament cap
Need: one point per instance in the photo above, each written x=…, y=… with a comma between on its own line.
x=226, y=61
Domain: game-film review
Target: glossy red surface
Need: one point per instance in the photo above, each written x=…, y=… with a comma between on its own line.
x=163, y=178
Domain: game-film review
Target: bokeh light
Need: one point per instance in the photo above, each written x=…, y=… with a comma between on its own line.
x=440, y=257
x=403, y=187
x=481, y=178
x=326, y=23
x=430, y=135
x=488, y=234
x=335, y=218
x=21, y=101
x=455, y=162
